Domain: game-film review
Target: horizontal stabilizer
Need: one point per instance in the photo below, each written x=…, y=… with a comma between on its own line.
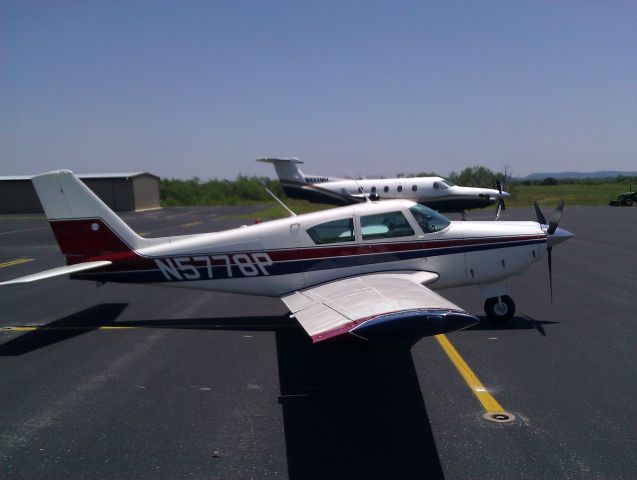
x=55, y=272
x=280, y=160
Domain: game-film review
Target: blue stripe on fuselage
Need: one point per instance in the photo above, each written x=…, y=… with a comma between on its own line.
x=287, y=267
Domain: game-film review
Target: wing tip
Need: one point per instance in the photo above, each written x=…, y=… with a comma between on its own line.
x=403, y=325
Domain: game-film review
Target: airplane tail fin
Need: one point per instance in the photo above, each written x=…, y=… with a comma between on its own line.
x=286, y=168
x=85, y=227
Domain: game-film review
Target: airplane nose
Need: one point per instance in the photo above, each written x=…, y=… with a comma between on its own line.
x=560, y=235
x=505, y=195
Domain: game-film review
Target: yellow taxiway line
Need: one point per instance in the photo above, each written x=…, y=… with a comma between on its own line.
x=490, y=404
x=33, y=328
x=16, y=262
x=191, y=224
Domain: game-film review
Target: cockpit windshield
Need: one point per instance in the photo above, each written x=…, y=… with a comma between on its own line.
x=429, y=220
x=443, y=184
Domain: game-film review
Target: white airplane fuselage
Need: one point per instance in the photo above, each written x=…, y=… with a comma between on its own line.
x=435, y=192
x=279, y=256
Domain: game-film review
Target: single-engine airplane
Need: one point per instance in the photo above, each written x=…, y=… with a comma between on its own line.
x=434, y=192
x=368, y=270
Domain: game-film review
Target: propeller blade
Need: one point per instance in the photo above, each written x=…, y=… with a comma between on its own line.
x=538, y=213
x=555, y=218
x=549, y=250
x=501, y=206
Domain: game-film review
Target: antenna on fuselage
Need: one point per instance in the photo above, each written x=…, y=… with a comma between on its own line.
x=292, y=214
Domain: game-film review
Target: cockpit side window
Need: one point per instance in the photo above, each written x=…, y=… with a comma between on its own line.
x=429, y=220
x=335, y=231
x=385, y=225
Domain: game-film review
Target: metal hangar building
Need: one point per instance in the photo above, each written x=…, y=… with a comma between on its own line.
x=123, y=192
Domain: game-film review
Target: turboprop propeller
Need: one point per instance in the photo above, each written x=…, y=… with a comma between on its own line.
x=554, y=234
x=501, y=207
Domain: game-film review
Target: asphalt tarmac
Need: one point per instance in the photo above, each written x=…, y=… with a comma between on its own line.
x=136, y=382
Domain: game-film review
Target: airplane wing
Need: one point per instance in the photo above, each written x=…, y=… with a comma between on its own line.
x=55, y=272
x=376, y=306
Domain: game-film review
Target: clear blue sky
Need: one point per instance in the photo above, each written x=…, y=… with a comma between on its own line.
x=189, y=88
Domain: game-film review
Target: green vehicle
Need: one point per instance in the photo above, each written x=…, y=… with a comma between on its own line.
x=625, y=199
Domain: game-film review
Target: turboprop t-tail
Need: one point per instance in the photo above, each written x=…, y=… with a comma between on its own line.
x=434, y=192
x=368, y=270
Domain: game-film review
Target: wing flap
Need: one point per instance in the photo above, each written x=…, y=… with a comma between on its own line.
x=55, y=272
x=369, y=304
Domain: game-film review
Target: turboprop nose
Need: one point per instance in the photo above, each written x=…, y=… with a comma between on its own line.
x=504, y=195
x=558, y=236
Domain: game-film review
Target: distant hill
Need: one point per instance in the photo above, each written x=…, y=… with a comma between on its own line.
x=577, y=175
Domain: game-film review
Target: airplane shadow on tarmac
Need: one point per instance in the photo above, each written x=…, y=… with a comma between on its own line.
x=63, y=329
x=351, y=409
x=518, y=322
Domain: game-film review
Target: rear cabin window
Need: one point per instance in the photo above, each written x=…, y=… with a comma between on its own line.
x=385, y=225
x=333, y=232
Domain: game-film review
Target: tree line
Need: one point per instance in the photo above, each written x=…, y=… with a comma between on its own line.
x=175, y=192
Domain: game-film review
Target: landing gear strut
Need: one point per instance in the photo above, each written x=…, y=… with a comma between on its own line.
x=499, y=309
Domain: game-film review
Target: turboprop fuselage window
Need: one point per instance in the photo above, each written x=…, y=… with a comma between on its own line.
x=385, y=225
x=429, y=220
x=333, y=232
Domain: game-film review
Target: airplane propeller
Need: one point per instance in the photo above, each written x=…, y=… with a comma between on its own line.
x=501, y=207
x=554, y=235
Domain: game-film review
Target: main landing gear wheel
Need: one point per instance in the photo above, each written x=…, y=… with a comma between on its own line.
x=499, y=309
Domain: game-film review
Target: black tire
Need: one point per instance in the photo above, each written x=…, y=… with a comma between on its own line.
x=499, y=310
x=629, y=202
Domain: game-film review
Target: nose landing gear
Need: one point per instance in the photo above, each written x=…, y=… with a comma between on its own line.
x=499, y=309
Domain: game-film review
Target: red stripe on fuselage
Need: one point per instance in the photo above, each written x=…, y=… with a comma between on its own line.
x=369, y=248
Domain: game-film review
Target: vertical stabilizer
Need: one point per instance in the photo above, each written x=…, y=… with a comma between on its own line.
x=84, y=226
x=286, y=168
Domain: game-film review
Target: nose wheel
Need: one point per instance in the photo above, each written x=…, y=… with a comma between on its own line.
x=499, y=309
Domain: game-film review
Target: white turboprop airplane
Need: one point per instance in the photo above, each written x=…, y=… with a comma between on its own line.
x=367, y=270
x=433, y=192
